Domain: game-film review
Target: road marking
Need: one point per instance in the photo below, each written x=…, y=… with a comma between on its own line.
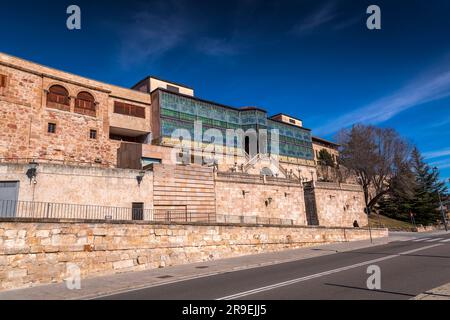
x=421, y=239
x=322, y=274
x=435, y=239
x=207, y=275
x=447, y=240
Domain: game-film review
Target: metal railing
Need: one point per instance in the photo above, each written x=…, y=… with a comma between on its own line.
x=11, y=209
x=56, y=162
x=48, y=210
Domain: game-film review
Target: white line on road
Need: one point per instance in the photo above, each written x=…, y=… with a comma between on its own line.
x=435, y=239
x=447, y=240
x=421, y=239
x=318, y=275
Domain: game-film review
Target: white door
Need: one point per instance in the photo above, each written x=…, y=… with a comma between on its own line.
x=9, y=192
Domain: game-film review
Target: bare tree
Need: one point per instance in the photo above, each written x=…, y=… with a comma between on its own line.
x=377, y=156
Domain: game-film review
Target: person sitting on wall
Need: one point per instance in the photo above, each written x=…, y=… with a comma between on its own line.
x=355, y=224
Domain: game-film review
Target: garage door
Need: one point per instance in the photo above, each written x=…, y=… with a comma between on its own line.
x=9, y=192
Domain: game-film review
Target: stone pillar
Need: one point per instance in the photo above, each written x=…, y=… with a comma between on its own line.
x=72, y=103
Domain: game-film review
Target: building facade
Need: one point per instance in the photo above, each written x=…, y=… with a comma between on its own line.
x=195, y=155
x=332, y=148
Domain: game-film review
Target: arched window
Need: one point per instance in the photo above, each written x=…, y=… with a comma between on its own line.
x=58, y=98
x=85, y=104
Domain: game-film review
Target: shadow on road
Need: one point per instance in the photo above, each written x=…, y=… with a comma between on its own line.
x=366, y=289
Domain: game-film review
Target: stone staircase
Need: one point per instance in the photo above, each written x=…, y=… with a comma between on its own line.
x=190, y=188
x=251, y=162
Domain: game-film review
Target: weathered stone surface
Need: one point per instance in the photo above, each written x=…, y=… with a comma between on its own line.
x=24, y=262
x=123, y=264
x=142, y=260
x=24, y=113
x=43, y=233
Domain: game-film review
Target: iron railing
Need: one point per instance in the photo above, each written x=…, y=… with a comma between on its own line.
x=48, y=210
x=11, y=209
x=56, y=162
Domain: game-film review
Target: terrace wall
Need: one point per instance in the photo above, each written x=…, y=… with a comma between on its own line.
x=81, y=185
x=40, y=252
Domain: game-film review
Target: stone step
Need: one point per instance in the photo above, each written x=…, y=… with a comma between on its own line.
x=207, y=195
x=181, y=181
x=183, y=188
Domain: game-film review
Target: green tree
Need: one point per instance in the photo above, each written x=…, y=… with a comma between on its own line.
x=427, y=186
x=326, y=158
x=397, y=204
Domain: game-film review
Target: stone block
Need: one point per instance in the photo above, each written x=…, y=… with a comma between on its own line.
x=43, y=233
x=10, y=233
x=142, y=260
x=123, y=264
x=19, y=273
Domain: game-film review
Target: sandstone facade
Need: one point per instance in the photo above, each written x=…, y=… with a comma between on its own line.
x=25, y=115
x=33, y=253
x=194, y=193
x=340, y=204
x=255, y=196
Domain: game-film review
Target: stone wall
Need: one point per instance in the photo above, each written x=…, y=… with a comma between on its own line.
x=24, y=115
x=189, y=188
x=250, y=195
x=81, y=185
x=33, y=253
x=340, y=204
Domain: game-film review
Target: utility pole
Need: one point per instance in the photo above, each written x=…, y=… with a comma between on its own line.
x=368, y=218
x=367, y=211
x=441, y=207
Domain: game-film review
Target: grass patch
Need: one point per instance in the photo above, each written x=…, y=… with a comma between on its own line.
x=379, y=221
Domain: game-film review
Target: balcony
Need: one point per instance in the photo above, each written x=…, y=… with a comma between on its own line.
x=130, y=123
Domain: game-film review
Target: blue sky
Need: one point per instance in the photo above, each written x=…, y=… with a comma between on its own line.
x=312, y=59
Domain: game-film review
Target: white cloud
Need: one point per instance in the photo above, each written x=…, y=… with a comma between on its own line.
x=166, y=25
x=152, y=32
x=434, y=86
x=218, y=47
x=440, y=123
x=437, y=154
x=323, y=15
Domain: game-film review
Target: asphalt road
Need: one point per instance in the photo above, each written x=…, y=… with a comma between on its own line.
x=408, y=268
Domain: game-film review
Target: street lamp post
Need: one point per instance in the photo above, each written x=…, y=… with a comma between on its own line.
x=367, y=211
x=441, y=207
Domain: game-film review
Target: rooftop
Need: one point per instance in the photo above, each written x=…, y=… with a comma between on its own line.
x=228, y=107
x=160, y=79
x=286, y=115
x=320, y=140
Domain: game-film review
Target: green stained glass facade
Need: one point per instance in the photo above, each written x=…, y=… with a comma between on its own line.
x=180, y=112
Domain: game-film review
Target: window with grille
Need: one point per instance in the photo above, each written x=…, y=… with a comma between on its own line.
x=129, y=110
x=85, y=104
x=93, y=134
x=173, y=89
x=51, y=128
x=3, y=80
x=58, y=98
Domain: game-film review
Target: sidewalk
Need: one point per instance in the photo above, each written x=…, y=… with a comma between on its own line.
x=440, y=293
x=106, y=285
